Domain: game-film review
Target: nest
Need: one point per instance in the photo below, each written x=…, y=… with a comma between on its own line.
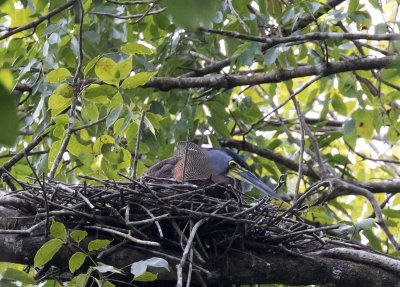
x=156, y=212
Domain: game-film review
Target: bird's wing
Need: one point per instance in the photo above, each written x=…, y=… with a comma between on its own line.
x=163, y=169
x=197, y=163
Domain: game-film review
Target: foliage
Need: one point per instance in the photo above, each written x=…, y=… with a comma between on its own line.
x=207, y=72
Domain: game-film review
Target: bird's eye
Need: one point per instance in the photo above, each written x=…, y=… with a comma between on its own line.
x=232, y=164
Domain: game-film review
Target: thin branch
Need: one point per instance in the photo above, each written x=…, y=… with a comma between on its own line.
x=186, y=251
x=233, y=11
x=88, y=125
x=126, y=17
x=77, y=90
x=37, y=21
x=127, y=2
x=139, y=134
x=124, y=235
x=315, y=36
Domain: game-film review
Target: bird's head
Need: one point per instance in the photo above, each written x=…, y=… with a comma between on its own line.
x=226, y=162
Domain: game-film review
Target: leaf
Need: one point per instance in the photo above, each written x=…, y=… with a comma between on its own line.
x=76, y=261
x=364, y=124
x=57, y=229
x=367, y=223
x=98, y=244
x=8, y=118
x=58, y=75
x=104, y=139
x=17, y=275
x=137, y=80
x=138, y=268
x=90, y=65
x=392, y=213
x=78, y=235
x=106, y=69
x=47, y=251
x=76, y=148
x=192, y=13
x=135, y=49
x=219, y=126
x=339, y=105
x=157, y=262
x=107, y=268
x=124, y=68
x=270, y=56
x=146, y=277
x=90, y=111
x=113, y=116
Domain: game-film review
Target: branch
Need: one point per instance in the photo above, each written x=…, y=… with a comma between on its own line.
x=230, y=81
x=37, y=21
x=128, y=16
x=77, y=90
x=315, y=36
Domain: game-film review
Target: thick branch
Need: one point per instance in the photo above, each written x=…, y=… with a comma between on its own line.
x=230, y=81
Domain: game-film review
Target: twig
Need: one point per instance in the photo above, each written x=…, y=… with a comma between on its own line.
x=126, y=17
x=124, y=235
x=139, y=134
x=37, y=21
x=237, y=16
x=186, y=251
x=76, y=86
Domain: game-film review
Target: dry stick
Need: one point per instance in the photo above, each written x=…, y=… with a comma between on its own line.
x=139, y=134
x=77, y=91
x=70, y=190
x=37, y=21
x=186, y=251
x=124, y=235
x=302, y=144
x=46, y=205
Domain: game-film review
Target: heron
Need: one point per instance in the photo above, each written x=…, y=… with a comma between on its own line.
x=220, y=165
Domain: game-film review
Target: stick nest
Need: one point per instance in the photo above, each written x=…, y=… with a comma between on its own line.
x=157, y=212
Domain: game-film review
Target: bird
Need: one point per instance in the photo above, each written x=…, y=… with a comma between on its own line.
x=220, y=165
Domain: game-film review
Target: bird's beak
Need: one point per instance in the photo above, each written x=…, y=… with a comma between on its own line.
x=247, y=176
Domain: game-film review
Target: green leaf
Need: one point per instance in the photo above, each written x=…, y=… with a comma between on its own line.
x=364, y=124
x=17, y=275
x=8, y=118
x=104, y=139
x=58, y=75
x=137, y=80
x=76, y=261
x=339, y=105
x=146, y=277
x=349, y=127
x=192, y=13
x=106, y=69
x=90, y=65
x=47, y=251
x=76, y=148
x=219, y=126
x=108, y=284
x=78, y=235
x=98, y=244
x=392, y=213
x=135, y=49
x=113, y=116
x=352, y=6
x=90, y=111
x=57, y=229
x=124, y=68
x=270, y=56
